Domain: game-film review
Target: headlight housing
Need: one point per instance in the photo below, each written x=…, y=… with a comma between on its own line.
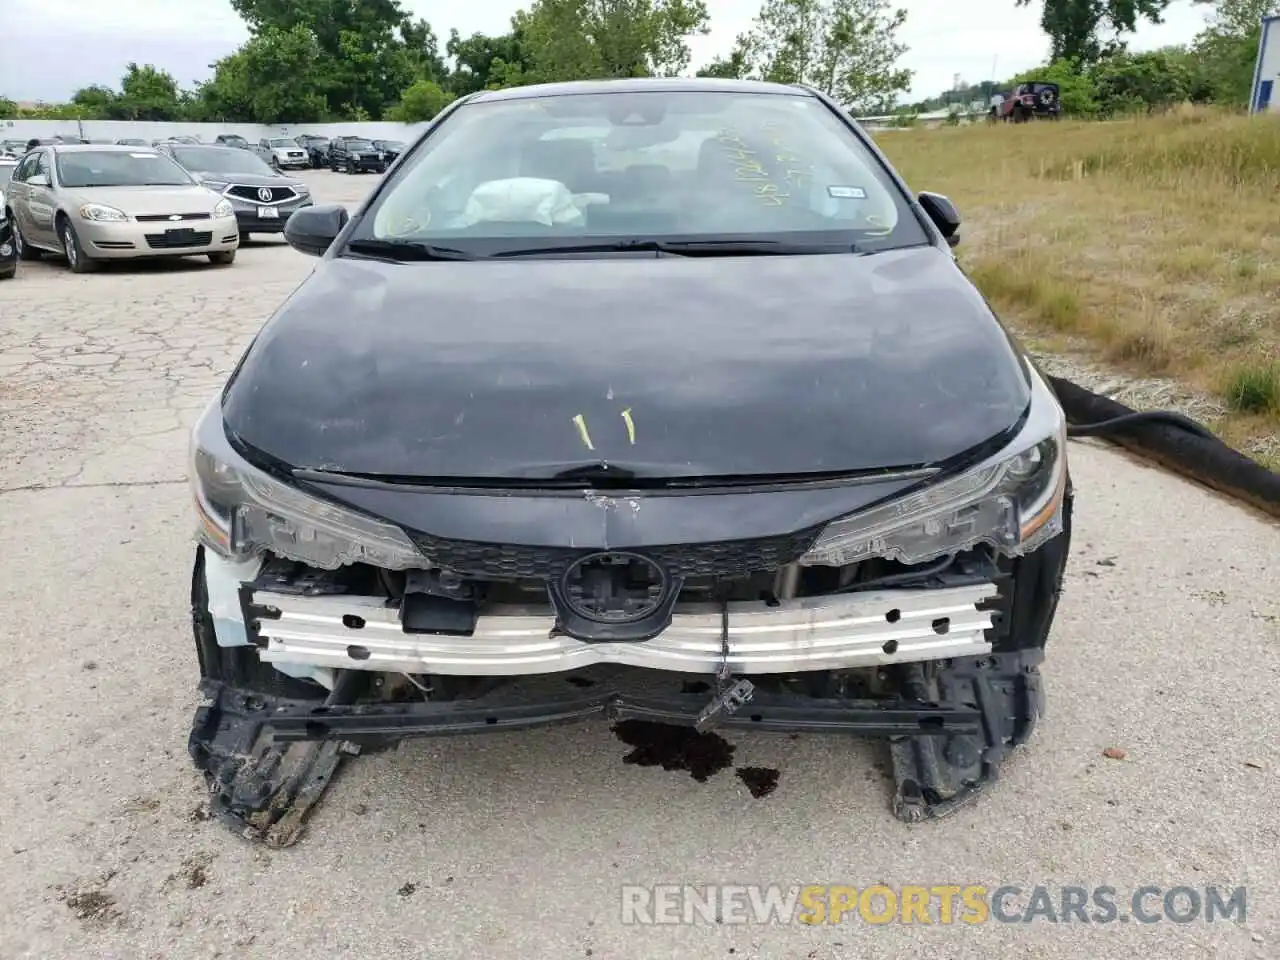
x=243, y=511
x=103, y=214
x=217, y=186
x=1011, y=501
x=301, y=189
x=224, y=209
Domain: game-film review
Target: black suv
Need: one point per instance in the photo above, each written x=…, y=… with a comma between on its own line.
x=317, y=148
x=355, y=155
x=390, y=149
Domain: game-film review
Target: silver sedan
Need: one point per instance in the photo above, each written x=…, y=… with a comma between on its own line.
x=95, y=203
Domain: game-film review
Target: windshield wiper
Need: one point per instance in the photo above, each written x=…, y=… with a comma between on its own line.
x=690, y=248
x=407, y=250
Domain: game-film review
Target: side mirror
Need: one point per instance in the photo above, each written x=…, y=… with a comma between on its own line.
x=312, y=230
x=38, y=180
x=943, y=214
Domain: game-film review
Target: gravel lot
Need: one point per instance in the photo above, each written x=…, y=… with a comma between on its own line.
x=516, y=845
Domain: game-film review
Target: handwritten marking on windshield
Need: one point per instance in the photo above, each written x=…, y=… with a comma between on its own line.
x=631, y=426
x=581, y=423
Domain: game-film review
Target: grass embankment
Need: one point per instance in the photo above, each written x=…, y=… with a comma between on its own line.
x=1155, y=241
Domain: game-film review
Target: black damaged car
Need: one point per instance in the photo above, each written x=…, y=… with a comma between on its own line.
x=651, y=400
x=8, y=245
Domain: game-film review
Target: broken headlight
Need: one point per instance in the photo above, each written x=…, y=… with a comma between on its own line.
x=1012, y=501
x=244, y=511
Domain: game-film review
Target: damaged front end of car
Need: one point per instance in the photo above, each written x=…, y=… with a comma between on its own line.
x=335, y=614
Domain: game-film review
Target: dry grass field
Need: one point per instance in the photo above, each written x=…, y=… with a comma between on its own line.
x=1151, y=244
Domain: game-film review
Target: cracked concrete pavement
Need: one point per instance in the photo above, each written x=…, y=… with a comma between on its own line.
x=516, y=845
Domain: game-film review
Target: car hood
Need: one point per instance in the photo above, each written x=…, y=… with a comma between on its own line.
x=249, y=179
x=141, y=201
x=673, y=367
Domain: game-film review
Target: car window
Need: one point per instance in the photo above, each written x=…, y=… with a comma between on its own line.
x=6, y=172
x=224, y=160
x=283, y=142
x=26, y=167
x=666, y=164
x=119, y=168
x=42, y=163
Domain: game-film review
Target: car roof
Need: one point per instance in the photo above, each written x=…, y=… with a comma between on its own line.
x=642, y=85
x=94, y=147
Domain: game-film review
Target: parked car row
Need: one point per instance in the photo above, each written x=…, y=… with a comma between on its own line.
x=95, y=202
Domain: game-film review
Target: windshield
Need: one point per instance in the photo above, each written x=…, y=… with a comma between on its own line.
x=667, y=165
x=119, y=168
x=213, y=160
x=282, y=142
x=358, y=144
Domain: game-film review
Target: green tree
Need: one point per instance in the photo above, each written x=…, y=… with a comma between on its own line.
x=146, y=93
x=97, y=102
x=369, y=51
x=485, y=62
x=733, y=67
x=8, y=108
x=277, y=76
x=1226, y=51
x=846, y=48
x=1127, y=83
x=580, y=39
x=1076, y=28
x=420, y=102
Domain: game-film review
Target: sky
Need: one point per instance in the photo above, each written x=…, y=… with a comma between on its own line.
x=54, y=47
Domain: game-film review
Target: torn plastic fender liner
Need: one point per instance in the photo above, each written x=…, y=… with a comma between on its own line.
x=261, y=789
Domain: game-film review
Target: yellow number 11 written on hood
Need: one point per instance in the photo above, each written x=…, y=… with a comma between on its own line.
x=580, y=422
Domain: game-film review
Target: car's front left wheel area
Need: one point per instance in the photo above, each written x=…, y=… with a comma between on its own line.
x=25, y=250
x=223, y=258
x=77, y=259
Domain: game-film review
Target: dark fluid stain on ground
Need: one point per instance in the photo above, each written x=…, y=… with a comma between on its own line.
x=674, y=748
x=695, y=686
x=407, y=890
x=580, y=681
x=761, y=781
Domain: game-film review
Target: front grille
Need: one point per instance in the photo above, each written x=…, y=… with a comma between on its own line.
x=729, y=558
x=278, y=194
x=158, y=217
x=163, y=241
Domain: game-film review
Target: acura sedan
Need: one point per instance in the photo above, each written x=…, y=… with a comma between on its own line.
x=654, y=400
x=96, y=203
x=263, y=198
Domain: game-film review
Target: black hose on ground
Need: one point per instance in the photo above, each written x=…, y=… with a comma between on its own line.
x=1173, y=441
x=1104, y=427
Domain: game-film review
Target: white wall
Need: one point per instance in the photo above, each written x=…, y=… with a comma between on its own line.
x=114, y=129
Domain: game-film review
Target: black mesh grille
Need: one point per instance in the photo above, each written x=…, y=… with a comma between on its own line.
x=176, y=238
x=729, y=558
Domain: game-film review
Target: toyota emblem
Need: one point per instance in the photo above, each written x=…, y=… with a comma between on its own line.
x=614, y=587
x=264, y=194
